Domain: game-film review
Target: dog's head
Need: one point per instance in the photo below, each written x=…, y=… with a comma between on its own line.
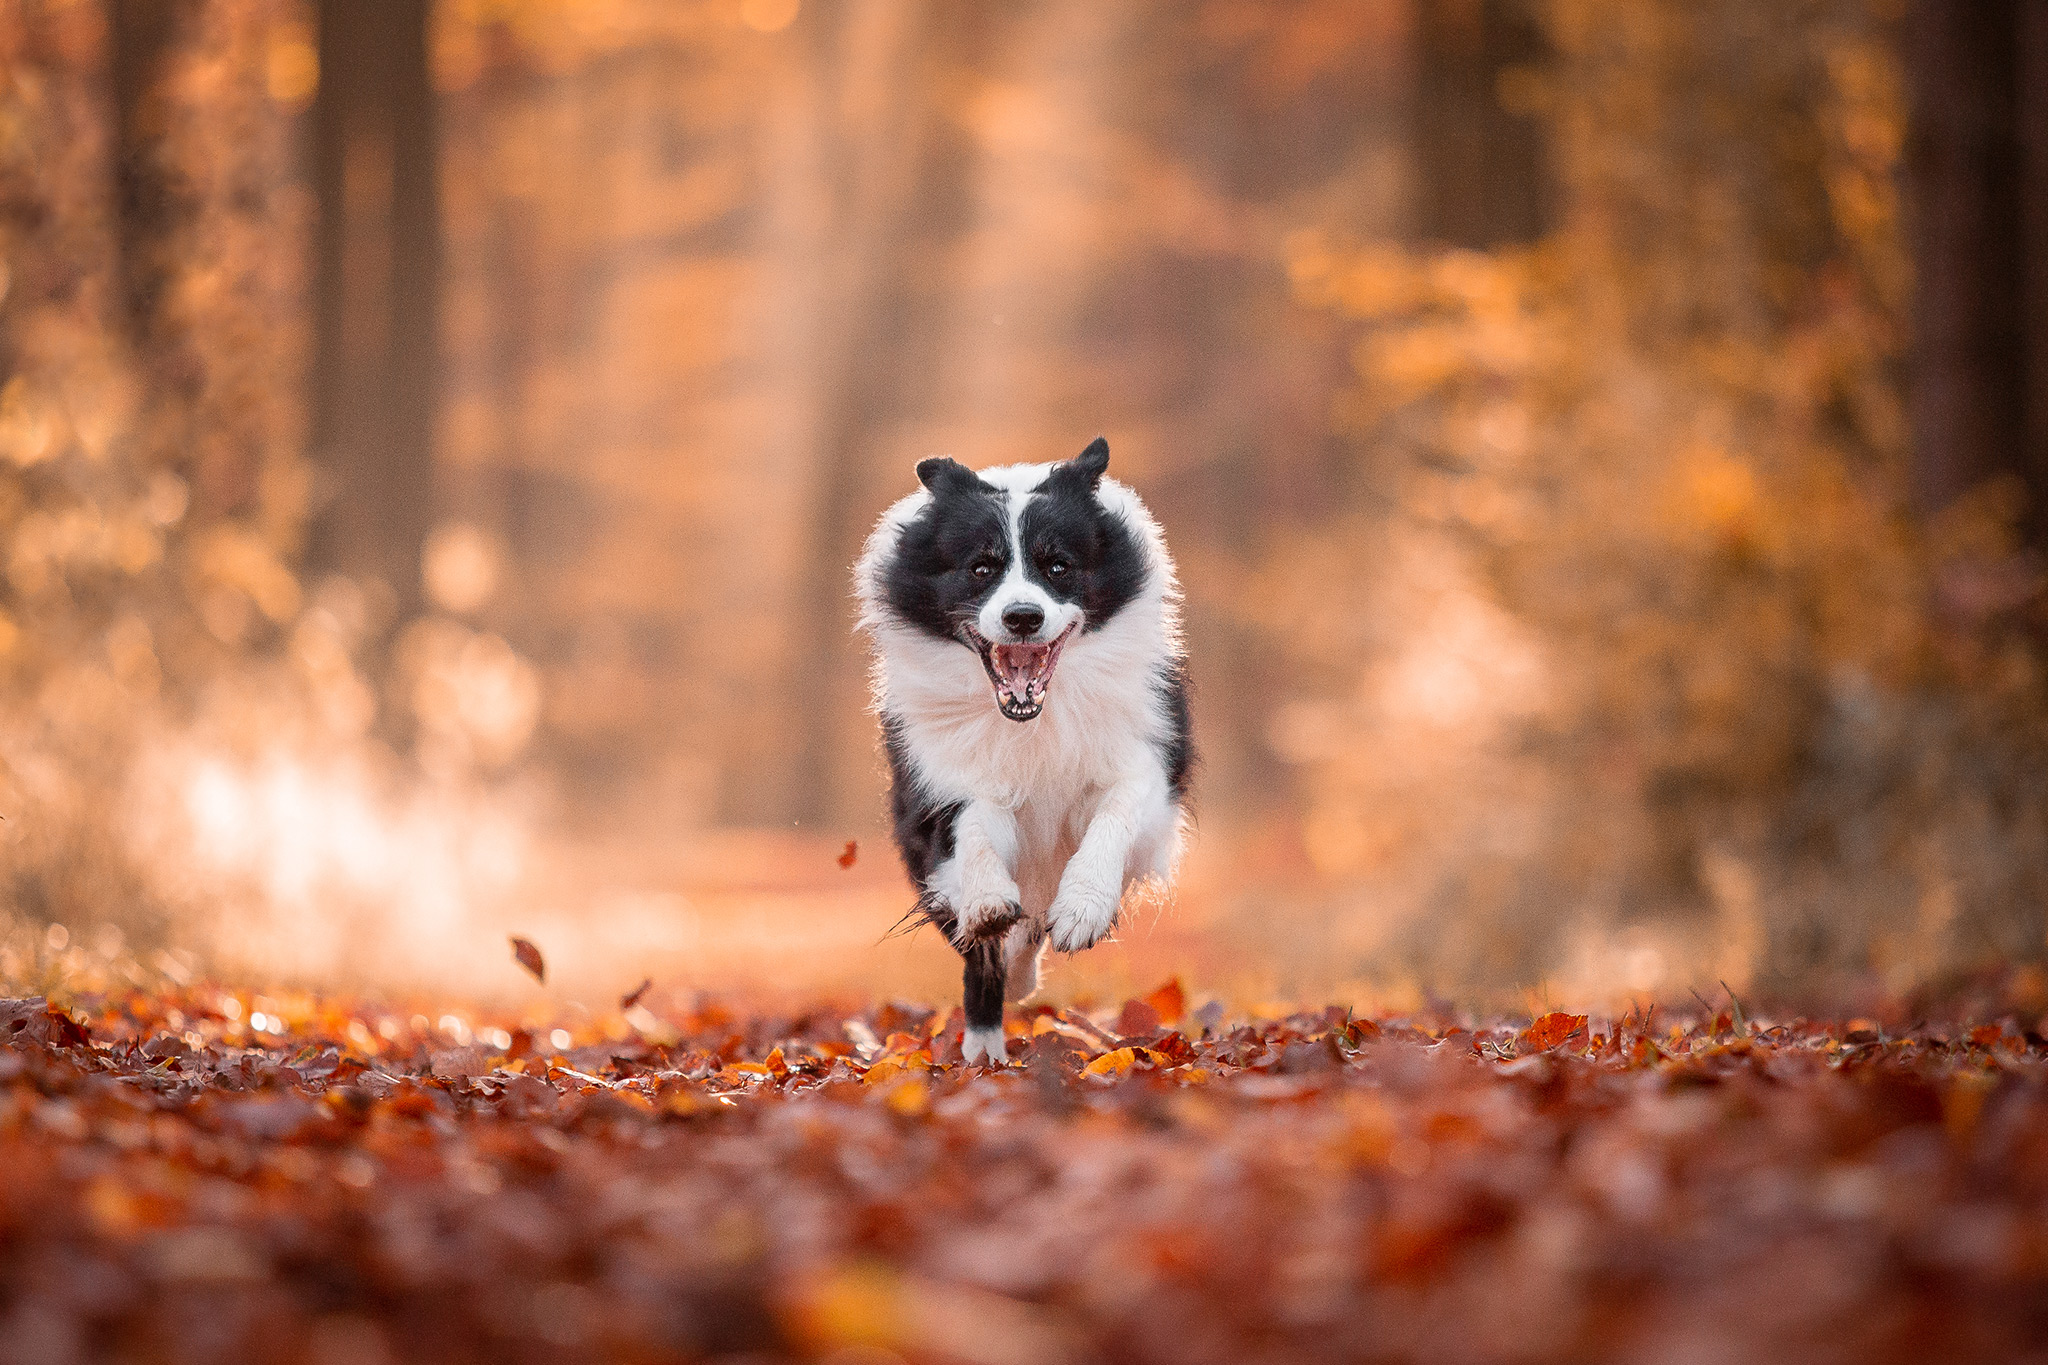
x=1014, y=566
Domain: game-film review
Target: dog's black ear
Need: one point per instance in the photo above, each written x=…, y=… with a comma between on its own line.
x=1085, y=469
x=946, y=477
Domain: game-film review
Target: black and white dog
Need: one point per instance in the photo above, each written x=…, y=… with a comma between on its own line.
x=1024, y=816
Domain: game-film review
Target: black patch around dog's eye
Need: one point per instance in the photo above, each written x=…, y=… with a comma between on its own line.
x=950, y=554
x=1100, y=563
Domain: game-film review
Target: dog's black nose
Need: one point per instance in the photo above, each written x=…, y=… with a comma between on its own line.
x=1022, y=618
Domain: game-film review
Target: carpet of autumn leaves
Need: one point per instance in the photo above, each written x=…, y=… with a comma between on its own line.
x=196, y=1175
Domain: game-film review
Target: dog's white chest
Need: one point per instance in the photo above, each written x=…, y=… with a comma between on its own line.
x=1049, y=830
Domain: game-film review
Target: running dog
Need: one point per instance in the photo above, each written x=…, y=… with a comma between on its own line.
x=1025, y=808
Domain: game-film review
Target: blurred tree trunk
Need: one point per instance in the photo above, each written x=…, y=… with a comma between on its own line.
x=376, y=291
x=1481, y=170
x=1978, y=165
x=142, y=37
x=876, y=116
x=2033, y=112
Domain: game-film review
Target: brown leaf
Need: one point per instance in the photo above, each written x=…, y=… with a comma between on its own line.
x=1138, y=1020
x=528, y=956
x=632, y=997
x=849, y=853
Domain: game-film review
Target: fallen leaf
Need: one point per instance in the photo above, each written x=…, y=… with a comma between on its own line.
x=1114, y=1063
x=528, y=956
x=64, y=1030
x=1552, y=1029
x=631, y=999
x=848, y=854
x=1137, y=1020
x=1170, y=1001
x=909, y=1097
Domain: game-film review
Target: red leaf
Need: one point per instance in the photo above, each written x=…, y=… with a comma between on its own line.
x=849, y=853
x=528, y=956
x=66, y=1031
x=1170, y=1001
x=1552, y=1029
x=632, y=998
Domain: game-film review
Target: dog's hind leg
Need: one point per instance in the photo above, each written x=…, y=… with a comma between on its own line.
x=983, y=998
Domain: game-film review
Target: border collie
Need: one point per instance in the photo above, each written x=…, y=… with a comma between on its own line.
x=1025, y=623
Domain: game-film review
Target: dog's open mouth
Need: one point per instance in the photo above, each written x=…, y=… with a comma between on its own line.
x=1021, y=673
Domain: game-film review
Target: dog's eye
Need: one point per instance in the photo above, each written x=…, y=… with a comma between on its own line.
x=1056, y=569
x=983, y=569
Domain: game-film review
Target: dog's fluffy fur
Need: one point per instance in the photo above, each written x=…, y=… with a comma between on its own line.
x=1028, y=672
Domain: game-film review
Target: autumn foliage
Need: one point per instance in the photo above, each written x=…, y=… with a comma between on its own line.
x=202, y=1175
x=1563, y=634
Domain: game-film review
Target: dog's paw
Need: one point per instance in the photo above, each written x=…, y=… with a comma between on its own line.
x=987, y=911
x=987, y=921
x=1082, y=915
x=984, y=1045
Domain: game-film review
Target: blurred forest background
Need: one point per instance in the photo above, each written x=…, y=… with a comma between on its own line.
x=1605, y=443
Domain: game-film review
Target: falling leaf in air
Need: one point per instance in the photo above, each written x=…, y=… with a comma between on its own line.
x=632, y=997
x=849, y=853
x=528, y=956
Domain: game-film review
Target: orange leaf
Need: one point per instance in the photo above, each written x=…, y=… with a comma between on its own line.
x=1112, y=1063
x=528, y=956
x=909, y=1097
x=849, y=853
x=1360, y=1029
x=881, y=1071
x=1170, y=1001
x=1552, y=1029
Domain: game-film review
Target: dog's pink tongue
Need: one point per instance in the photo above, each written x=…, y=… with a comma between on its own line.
x=1019, y=666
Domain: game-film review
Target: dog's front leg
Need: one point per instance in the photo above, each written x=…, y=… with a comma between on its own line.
x=979, y=881
x=1092, y=886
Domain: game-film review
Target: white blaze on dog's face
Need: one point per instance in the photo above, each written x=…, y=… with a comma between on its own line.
x=1015, y=566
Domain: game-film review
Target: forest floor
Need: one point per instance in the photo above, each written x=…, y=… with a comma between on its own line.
x=196, y=1175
